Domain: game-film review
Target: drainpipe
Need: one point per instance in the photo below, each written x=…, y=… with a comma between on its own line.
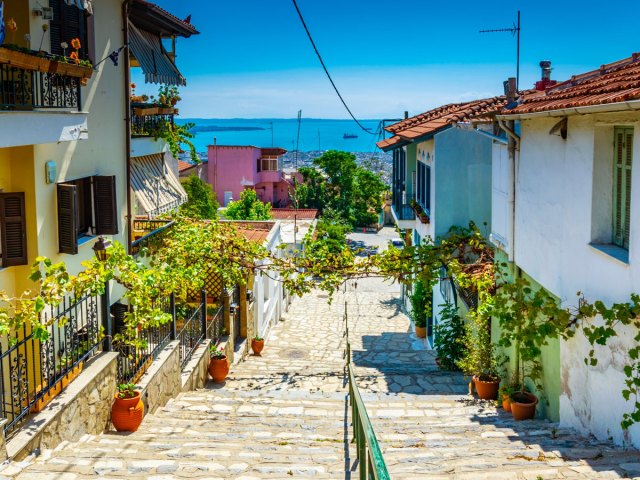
x=127, y=112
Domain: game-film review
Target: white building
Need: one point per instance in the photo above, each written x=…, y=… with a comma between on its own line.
x=565, y=202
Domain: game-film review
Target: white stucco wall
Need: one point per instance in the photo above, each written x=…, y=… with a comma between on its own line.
x=559, y=212
x=268, y=290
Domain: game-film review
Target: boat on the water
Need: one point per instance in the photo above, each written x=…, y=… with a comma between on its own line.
x=349, y=135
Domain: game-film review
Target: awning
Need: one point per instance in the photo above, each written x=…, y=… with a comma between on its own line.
x=156, y=64
x=156, y=186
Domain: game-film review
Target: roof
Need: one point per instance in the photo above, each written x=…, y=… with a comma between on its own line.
x=153, y=18
x=156, y=187
x=292, y=213
x=613, y=83
x=256, y=232
x=182, y=166
x=156, y=64
x=273, y=151
x=429, y=123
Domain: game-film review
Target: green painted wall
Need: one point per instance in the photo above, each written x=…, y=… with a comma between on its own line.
x=549, y=405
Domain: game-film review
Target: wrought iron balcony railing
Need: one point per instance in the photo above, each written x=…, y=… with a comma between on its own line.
x=147, y=118
x=23, y=89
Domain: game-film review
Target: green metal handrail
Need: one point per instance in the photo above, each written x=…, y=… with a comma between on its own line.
x=371, y=464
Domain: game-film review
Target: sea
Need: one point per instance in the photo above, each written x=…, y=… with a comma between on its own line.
x=315, y=134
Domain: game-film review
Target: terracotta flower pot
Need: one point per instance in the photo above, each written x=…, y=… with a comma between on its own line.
x=218, y=369
x=523, y=406
x=486, y=390
x=421, y=332
x=506, y=403
x=257, y=346
x=127, y=413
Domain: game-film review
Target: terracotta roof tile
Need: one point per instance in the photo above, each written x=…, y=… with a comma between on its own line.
x=612, y=83
x=292, y=213
x=182, y=166
x=430, y=122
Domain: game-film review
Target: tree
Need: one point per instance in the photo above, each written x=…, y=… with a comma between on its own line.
x=340, y=185
x=202, y=201
x=248, y=208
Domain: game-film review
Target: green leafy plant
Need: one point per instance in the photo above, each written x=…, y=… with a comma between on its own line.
x=216, y=353
x=126, y=390
x=449, y=336
x=420, y=304
x=201, y=201
x=248, y=207
x=258, y=338
x=176, y=135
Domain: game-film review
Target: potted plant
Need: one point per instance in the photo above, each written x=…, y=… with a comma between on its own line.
x=257, y=345
x=480, y=360
x=420, y=308
x=127, y=410
x=218, y=364
x=528, y=319
x=507, y=391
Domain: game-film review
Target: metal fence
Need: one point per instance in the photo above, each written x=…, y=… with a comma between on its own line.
x=193, y=330
x=215, y=323
x=133, y=361
x=33, y=372
x=22, y=89
x=152, y=231
x=147, y=125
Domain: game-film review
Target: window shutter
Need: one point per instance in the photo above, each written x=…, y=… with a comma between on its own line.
x=67, y=218
x=13, y=229
x=105, y=205
x=623, y=159
x=68, y=22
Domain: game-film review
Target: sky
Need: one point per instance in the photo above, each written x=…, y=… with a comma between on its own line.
x=252, y=58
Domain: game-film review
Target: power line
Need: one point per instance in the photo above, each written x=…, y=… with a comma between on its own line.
x=313, y=44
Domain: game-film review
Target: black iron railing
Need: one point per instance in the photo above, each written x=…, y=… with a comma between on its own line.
x=146, y=124
x=215, y=323
x=22, y=89
x=151, y=230
x=33, y=372
x=403, y=210
x=193, y=330
x=134, y=361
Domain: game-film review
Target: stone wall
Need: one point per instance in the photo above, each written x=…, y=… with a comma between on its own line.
x=82, y=408
x=163, y=380
x=196, y=372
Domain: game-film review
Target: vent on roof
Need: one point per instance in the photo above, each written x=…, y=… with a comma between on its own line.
x=546, y=81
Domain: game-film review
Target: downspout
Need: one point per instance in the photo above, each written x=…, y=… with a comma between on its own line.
x=127, y=112
x=512, y=147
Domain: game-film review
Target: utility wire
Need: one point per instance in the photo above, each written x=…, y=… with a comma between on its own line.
x=313, y=44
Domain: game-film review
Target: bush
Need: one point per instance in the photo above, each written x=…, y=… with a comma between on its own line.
x=449, y=337
x=420, y=304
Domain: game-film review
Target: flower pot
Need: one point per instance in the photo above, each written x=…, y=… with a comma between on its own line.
x=421, y=332
x=218, y=369
x=486, y=390
x=506, y=403
x=257, y=346
x=523, y=406
x=127, y=413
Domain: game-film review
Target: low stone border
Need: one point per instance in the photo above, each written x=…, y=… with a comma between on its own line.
x=82, y=408
x=196, y=371
x=163, y=380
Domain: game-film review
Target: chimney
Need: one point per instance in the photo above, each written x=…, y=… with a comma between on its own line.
x=510, y=90
x=546, y=81
x=406, y=114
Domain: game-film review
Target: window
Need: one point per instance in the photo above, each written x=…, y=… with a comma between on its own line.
x=68, y=22
x=13, y=233
x=423, y=196
x=86, y=207
x=269, y=163
x=622, y=161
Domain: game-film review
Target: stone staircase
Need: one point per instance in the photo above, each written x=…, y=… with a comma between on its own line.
x=217, y=434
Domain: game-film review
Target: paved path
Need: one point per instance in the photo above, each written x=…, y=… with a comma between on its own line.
x=285, y=414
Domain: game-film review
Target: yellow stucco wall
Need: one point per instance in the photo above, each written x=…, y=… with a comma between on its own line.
x=103, y=153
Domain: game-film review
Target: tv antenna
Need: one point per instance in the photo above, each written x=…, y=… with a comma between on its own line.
x=515, y=30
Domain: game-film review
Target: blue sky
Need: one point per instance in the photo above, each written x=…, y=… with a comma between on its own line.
x=252, y=58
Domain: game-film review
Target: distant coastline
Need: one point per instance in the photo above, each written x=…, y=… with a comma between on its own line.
x=216, y=128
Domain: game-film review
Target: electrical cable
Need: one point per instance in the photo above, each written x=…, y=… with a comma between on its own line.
x=313, y=44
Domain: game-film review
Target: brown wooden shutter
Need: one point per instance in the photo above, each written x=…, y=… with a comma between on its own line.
x=67, y=218
x=68, y=22
x=105, y=205
x=13, y=229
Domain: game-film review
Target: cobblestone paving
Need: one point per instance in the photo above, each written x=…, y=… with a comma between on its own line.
x=285, y=415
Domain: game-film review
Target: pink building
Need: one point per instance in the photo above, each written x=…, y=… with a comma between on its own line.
x=232, y=169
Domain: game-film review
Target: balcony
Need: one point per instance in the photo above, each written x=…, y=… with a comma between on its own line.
x=403, y=214
x=40, y=99
x=147, y=118
x=148, y=233
x=269, y=176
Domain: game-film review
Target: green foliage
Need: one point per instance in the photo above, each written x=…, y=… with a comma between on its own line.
x=420, y=304
x=258, y=338
x=176, y=136
x=248, y=208
x=216, y=352
x=330, y=237
x=339, y=184
x=449, y=336
x=126, y=390
x=202, y=202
